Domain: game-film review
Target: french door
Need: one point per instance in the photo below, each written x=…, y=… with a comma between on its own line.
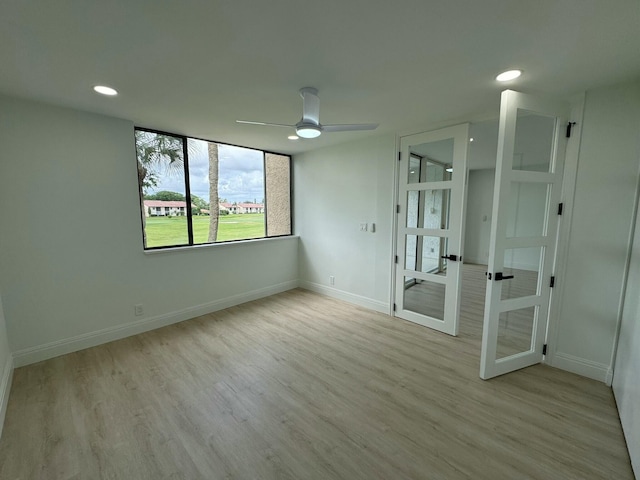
x=430, y=212
x=530, y=161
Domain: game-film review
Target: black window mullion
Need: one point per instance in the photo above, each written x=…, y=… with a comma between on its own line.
x=187, y=188
x=264, y=192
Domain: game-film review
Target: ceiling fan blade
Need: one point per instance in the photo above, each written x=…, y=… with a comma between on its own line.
x=310, y=105
x=350, y=127
x=248, y=122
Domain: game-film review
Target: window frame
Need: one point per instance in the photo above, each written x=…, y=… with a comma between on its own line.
x=188, y=209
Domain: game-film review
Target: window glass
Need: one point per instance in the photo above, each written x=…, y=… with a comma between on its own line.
x=163, y=191
x=227, y=186
x=230, y=193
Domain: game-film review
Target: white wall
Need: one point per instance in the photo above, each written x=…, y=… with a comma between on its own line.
x=626, y=380
x=6, y=368
x=600, y=231
x=478, y=220
x=72, y=265
x=336, y=189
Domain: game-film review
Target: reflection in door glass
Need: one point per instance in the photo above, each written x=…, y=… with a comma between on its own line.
x=424, y=297
x=428, y=208
x=534, y=140
x=431, y=162
x=515, y=331
x=524, y=264
x=424, y=254
x=527, y=207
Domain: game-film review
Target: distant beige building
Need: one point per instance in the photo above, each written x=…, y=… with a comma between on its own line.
x=163, y=208
x=243, y=207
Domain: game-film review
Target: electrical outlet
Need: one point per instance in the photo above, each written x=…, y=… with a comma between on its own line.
x=139, y=310
x=332, y=280
x=363, y=227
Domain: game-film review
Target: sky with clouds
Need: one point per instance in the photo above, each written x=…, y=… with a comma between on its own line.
x=240, y=173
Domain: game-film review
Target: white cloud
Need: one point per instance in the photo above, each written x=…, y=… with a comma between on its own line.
x=240, y=172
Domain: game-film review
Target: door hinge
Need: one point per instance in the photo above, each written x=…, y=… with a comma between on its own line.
x=569, y=127
x=394, y=307
x=544, y=349
x=553, y=281
x=560, y=207
x=399, y=156
x=397, y=208
x=396, y=259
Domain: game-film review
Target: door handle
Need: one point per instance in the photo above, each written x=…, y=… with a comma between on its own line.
x=500, y=276
x=453, y=258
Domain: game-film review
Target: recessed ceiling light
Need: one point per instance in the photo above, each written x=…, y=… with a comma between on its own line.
x=293, y=137
x=449, y=169
x=471, y=139
x=508, y=75
x=104, y=90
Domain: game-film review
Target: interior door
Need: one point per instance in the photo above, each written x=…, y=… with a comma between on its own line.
x=430, y=219
x=529, y=168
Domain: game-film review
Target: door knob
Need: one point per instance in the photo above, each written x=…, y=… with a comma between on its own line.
x=453, y=258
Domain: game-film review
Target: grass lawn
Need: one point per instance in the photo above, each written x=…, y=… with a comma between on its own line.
x=165, y=231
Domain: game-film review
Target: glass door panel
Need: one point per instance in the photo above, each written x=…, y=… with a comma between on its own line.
x=521, y=268
x=534, y=141
x=425, y=297
x=515, y=332
x=428, y=208
x=424, y=254
x=527, y=209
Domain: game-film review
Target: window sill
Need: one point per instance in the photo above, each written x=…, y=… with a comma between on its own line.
x=217, y=245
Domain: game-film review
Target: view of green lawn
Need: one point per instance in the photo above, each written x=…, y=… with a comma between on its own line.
x=165, y=231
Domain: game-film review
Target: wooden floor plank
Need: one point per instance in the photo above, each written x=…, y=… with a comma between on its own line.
x=298, y=385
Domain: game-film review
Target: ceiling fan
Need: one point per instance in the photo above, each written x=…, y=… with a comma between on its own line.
x=309, y=126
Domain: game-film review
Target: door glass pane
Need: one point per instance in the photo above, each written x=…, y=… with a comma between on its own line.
x=423, y=254
x=524, y=264
x=431, y=161
x=424, y=297
x=526, y=209
x=534, y=140
x=414, y=169
x=515, y=330
x=428, y=208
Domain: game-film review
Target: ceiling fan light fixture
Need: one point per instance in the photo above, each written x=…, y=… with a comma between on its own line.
x=308, y=131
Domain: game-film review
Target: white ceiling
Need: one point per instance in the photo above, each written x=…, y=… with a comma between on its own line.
x=194, y=67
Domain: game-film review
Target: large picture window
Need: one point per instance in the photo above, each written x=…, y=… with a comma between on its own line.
x=194, y=191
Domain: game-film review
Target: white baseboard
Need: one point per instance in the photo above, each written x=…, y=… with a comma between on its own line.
x=5, y=387
x=38, y=353
x=346, y=296
x=581, y=366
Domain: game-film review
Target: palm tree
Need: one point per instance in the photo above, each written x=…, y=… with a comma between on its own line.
x=155, y=153
x=214, y=206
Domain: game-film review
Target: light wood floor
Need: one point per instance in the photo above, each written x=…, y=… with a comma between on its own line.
x=301, y=386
